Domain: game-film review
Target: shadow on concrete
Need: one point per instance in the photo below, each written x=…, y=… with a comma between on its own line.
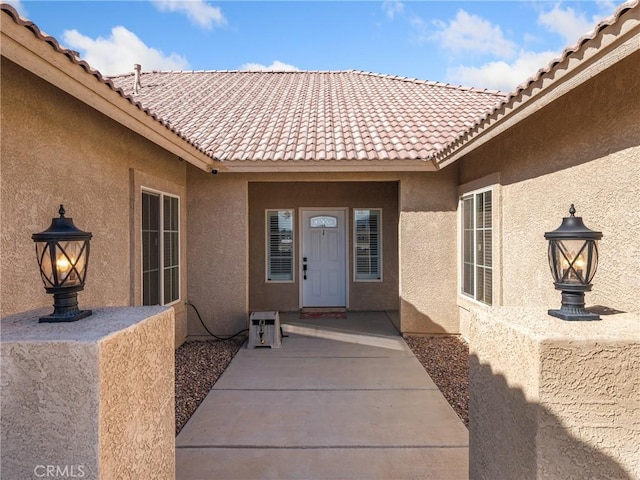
x=507, y=433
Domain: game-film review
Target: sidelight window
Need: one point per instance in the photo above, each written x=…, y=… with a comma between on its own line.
x=280, y=245
x=367, y=244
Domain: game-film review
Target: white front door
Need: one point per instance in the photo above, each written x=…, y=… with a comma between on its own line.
x=323, y=258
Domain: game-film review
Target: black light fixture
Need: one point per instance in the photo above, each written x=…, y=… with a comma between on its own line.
x=63, y=255
x=573, y=258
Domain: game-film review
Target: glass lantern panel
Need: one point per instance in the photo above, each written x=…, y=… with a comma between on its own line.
x=44, y=261
x=593, y=261
x=551, y=254
x=71, y=263
x=571, y=262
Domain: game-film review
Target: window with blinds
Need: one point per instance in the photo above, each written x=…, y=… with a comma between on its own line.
x=477, y=243
x=367, y=244
x=280, y=245
x=171, y=263
x=160, y=248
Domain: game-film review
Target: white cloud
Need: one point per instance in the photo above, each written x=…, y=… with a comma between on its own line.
x=392, y=8
x=566, y=22
x=473, y=34
x=197, y=11
x=120, y=51
x=501, y=75
x=276, y=66
x=419, y=30
x=18, y=5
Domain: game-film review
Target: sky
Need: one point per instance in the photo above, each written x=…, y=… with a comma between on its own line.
x=479, y=43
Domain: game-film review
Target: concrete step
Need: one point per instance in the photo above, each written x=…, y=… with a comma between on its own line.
x=393, y=343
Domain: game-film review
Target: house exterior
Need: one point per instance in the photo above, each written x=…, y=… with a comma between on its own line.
x=245, y=191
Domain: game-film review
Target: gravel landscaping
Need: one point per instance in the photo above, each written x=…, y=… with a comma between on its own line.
x=446, y=360
x=199, y=364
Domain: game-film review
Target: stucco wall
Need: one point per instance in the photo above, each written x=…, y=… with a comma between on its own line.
x=551, y=398
x=582, y=149
x=362, y=295
x=217, y=256
x=428, y=253
x=94, y=399
x=220, y=246
x=137, y=397
x=56, y=150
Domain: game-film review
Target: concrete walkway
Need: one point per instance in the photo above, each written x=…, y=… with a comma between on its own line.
x=321, y=408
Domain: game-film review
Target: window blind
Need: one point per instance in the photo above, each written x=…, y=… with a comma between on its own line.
x=477, y=246
x=160, y=249
x=368, y=254
x=280, y=245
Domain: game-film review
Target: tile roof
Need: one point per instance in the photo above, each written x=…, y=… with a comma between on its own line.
x=347, y=115
x=310, y=115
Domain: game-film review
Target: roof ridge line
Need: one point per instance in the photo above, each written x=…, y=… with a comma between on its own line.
x=400, y=78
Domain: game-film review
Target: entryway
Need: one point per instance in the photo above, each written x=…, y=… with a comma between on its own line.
x=320, y=408
x=323, y=258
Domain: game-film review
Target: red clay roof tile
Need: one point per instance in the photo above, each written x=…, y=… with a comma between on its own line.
x=344, y=115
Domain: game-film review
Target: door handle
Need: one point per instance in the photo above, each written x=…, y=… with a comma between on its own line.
x=304, y=269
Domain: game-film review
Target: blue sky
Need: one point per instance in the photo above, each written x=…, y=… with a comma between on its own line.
x=489, y=44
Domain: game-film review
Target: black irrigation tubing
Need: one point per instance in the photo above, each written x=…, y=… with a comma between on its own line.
x=217, y=337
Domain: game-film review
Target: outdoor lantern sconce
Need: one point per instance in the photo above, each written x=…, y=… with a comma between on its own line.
x=63, y=255
x=573, y=258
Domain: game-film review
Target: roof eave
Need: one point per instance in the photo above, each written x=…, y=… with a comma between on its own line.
x=327, y=166
x=21, y=45
x=609, y=45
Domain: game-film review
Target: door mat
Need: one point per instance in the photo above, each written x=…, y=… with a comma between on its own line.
x=338, y=315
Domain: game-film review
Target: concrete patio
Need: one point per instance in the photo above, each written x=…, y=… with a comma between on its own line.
x=342, y=399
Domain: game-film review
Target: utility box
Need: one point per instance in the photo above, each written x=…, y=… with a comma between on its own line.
x=264, y=330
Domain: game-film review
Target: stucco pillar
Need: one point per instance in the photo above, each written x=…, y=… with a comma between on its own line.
x=551, y=398
x=427, y=253
x=89, y=399
x=218, y=253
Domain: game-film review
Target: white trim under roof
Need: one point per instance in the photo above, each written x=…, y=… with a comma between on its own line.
x=327, y=166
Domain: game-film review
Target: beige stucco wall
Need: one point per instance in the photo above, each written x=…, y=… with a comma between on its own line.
x=57, y=150
x=226, y=209
x=428, y=253
x=582, y=149
x=551, y=398
x=217, y=255
x=94, y=398
x=137, y=396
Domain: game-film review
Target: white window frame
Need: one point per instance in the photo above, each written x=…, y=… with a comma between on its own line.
x=474, y=196
x=379, y=276
x=161, y=293
x=267, y=244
